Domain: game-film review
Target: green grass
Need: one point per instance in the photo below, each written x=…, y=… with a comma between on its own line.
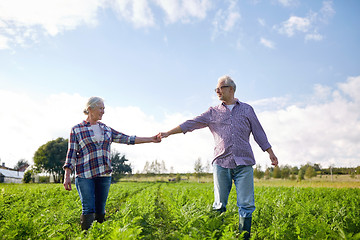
x=158, y=210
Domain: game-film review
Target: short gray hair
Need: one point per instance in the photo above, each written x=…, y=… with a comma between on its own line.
x=91, y=103
x=228, y=81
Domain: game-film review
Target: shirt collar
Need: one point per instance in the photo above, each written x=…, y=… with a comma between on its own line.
x=87, y=124
x=237, y=102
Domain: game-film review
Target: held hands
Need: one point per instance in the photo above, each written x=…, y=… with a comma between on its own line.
x=163, y=135
x=156, y=138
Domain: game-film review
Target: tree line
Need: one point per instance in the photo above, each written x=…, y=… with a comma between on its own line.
x=305, y=171
x=50, y=158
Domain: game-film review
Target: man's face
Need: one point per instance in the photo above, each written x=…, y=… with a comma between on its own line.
x=223, y=91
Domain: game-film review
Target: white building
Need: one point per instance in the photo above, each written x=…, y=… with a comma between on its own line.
x=10, y=176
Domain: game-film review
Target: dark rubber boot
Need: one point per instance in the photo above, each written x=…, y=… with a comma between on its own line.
x=100, y=218
x=245, y=226
x=87, y=220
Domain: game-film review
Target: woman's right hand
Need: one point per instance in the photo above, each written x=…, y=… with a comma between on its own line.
x=67, y=179
x=67, y=183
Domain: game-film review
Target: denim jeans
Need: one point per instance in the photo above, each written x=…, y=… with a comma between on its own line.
x=93, y=193
x=244, y=183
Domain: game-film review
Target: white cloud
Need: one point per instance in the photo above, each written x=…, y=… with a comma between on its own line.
x=29, y=122
x=323, y=130
x=226, y=20
x=313, y=36
x=137, y=12
x=308, y=25
x=4, y=42
x=351, y=88
x=327, y=11
x=288, y=3
x=295, y=24
x=261, y=21
x=22, y=20
x=184, y=10
x=267, y=43
x=321, y=93
x=270, y=104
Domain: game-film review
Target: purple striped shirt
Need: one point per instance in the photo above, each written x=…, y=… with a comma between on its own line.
x=89, y=157
x=231, y=131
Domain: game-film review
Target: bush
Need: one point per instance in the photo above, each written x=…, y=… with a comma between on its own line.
x=27, y=177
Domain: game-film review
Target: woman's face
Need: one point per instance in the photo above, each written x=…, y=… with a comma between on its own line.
x=97, y=112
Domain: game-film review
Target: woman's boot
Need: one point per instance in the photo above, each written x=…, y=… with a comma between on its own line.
x=87, y=220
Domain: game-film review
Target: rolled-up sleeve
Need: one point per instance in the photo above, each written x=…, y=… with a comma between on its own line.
x=119, y=137
x=197, y=123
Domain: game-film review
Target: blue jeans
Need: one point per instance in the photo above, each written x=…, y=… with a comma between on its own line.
x=93, y=193
x=244, y=183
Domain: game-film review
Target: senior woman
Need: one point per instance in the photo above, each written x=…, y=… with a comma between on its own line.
x=89, y=155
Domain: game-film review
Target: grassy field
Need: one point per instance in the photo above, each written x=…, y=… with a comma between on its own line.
x=168, y=210
x=337, y=181
x=341, y=181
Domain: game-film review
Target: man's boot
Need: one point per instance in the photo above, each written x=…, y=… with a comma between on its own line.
x=87, y=220
x=100, y=218
x=245, y=226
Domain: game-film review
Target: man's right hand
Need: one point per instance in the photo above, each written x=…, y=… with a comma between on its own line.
x=163, y=134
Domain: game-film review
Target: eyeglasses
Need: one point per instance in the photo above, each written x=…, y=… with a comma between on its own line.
x=218, y=89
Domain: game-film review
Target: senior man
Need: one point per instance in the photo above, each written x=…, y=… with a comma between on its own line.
x=231, y=124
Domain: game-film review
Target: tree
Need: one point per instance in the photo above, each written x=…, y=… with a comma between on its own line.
x=155, y=167
x=357, y=170
x=198, y=168
x=285, y=172
x=317, y=167
x=301, y=174
x=51, y=156
x=257, y=172
x=27, y=176
x=21, y=164
x=146, y=169
x=267, y=173
x=207, y=167
x=277, y=172
x=163, y=168
x=118, y=165
x=310, y=172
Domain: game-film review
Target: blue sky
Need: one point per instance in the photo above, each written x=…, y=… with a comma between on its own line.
x=156, y=63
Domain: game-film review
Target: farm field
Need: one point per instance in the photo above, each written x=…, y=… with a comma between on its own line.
x=160, y=210
x=337, y=181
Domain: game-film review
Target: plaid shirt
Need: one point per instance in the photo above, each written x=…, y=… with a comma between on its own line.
x=90, y=157
x=231, y=131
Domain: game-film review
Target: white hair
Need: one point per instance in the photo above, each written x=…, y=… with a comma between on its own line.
x=91, y=103
x=228, y=81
